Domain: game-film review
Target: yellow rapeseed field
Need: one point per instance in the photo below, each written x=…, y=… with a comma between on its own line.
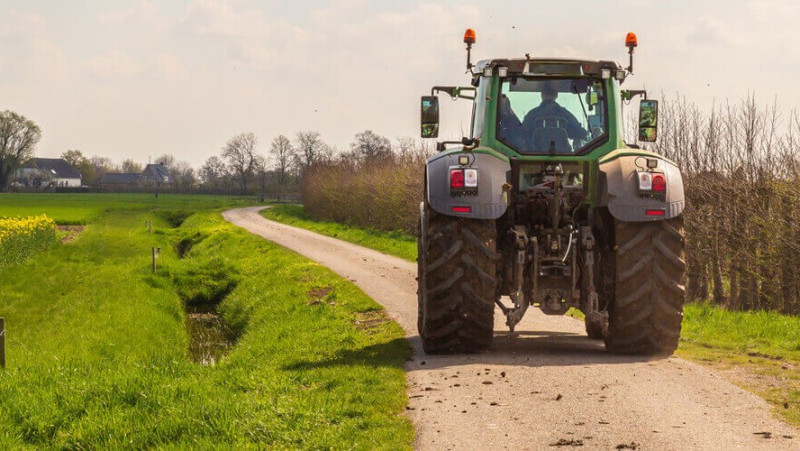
x=20, y=238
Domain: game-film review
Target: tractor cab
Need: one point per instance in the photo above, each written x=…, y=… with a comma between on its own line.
x=544, y=106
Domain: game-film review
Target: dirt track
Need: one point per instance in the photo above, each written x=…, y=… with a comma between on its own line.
x=548, y=385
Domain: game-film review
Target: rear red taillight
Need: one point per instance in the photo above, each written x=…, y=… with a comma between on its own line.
x=654, y=212
x=462, y=209
x=659, y=183
x=456, y=178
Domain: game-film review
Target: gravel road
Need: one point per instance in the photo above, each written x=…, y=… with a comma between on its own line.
x=549, y=386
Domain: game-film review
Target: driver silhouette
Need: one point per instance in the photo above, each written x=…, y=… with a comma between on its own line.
x=549, y=124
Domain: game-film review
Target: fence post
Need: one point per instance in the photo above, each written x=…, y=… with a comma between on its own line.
x=2, y=342
x=156, y=253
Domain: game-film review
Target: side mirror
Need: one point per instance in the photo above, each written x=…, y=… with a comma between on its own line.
x=648, y=120
x=429, y=117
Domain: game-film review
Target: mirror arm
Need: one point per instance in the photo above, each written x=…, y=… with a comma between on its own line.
x=455, y=92
x=631, y=93
x=440, y=145
x=469, y=144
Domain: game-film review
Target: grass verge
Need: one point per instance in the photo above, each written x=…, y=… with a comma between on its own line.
x=398, y=244
x=98, y=346
x=759, y=351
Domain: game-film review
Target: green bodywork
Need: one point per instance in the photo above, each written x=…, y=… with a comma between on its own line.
x=613, y=147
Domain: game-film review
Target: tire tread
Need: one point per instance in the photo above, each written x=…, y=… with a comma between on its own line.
x=457, y=288
x=646, y=318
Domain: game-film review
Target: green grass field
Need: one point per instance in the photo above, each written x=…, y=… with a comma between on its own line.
x=98, y=349
x=765, y=346
x=393, y=243
x=81, y=209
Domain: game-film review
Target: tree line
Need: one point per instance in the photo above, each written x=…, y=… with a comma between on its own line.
x=741, y=172
x=239, y=168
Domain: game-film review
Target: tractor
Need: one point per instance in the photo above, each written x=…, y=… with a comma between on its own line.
x=544, y=203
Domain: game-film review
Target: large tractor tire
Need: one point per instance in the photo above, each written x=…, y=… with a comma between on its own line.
x=647, y=310
x=457, y=272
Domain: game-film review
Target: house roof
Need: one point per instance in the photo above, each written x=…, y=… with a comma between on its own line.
x=156, y=172
x=119, y=178
x=57, y=166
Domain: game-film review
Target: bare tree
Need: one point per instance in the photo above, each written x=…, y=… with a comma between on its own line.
x=181, y=174
x=213, y=172
x=74, y=157
x=131, y=167
x=405, y=147
x=240, y=154
x=261, y=167
x=310, y=149
x=102, y=166
x=18, y=138
x=166, y=160
x=283, y=153
x=369, y=147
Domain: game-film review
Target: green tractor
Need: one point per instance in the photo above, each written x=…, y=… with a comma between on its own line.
x=546, y=204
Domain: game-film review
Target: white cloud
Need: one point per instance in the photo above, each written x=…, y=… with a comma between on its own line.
x=119, y=66
x=143, y=11
x=26, y=50
x=224, y=18
x=248, y=35
x=711, y=31
x=169, y=68
x=114, y=65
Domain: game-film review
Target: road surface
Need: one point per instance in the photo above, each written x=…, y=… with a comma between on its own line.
x=549, y=386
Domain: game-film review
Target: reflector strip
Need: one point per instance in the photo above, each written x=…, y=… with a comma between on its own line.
x=462, y=209
x=654, y=212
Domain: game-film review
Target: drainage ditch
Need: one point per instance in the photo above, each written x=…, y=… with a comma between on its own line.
x=202, y=285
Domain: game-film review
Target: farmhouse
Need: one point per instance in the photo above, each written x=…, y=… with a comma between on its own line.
x=48, y=172
x=153, y=174
x=120, y=178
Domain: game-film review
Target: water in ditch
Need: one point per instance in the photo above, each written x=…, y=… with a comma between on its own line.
x=210, y=338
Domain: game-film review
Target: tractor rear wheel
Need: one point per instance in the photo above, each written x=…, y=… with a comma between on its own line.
x=457, y=271
x=647, y=310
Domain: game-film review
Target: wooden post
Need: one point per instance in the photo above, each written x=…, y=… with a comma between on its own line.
x=154, y=260
x=2, y=342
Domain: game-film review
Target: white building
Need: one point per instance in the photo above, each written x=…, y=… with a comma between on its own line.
x=49, y=172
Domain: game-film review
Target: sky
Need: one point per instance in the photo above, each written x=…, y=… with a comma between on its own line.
x=137, y=79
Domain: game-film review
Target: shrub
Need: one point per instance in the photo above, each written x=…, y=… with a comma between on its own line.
x=382, y=196
x=21, y=238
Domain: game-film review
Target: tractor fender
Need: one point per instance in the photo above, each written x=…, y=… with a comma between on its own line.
x=489, y=202
x=619, y=188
